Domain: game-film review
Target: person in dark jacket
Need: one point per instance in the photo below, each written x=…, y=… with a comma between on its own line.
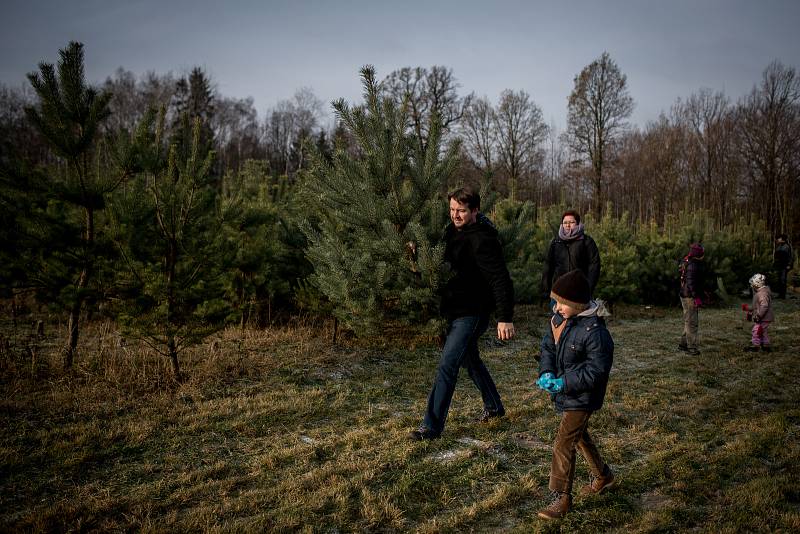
x=577, y=354
x=692, y=271
x=782, y=262
x=479, y=284
x=571, y=249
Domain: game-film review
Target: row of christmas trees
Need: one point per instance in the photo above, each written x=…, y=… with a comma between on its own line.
x=132, y=225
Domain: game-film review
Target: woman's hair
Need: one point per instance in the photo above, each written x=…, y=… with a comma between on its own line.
x=466, y=195
x=573, y=213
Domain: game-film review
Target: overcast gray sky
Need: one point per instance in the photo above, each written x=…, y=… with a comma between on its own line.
x=268, y=49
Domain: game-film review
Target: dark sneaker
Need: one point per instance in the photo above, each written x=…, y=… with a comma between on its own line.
x=693, y=352
x=682, y=347
x=599, y=484
x=422, y=434
x=750, y=348
x=490, y=414
x=558, y=508
x=765, y=348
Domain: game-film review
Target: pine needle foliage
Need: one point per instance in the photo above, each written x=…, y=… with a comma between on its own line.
x=268, y=255
x=166, y=224
x=65, y=215
x=375, y=246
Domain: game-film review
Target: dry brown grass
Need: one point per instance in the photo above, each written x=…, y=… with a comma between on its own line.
x=277, y=430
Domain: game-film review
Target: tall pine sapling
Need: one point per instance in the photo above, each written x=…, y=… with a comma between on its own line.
x=167, y=228
x=68, y=114
x=375, y=246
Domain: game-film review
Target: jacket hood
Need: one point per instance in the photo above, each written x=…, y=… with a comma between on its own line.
x=597, y=308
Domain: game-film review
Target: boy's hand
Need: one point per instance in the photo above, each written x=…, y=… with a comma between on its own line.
x=555, y=385
x=698, y=303
x=549, y=383
x=544, y=381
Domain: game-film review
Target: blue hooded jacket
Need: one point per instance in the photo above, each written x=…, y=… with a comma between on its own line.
x=582, y=357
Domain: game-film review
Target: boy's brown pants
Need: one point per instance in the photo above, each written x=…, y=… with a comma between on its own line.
x=572, y=435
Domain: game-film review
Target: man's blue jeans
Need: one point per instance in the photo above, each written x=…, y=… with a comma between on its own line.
x=460, y=350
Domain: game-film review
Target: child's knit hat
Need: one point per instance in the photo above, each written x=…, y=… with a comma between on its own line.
x=757, y=281
x=572, y=289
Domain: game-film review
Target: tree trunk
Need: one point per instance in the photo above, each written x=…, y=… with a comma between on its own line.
x=172, y=349
x=173, y=358
x=83, y=282
x=72, y=325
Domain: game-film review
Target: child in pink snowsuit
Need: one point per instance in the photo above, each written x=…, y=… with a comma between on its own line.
x=761, y=310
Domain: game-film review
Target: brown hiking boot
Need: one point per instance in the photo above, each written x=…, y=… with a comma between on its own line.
x=600, y=484
x=562, y=503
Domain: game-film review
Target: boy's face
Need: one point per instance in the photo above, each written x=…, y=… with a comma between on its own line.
x=566, y=311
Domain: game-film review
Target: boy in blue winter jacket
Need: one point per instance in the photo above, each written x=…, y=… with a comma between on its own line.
x=577, y=353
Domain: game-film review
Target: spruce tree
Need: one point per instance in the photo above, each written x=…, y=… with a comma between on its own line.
x=194, y=99
x=376, y=247
x=166, y=224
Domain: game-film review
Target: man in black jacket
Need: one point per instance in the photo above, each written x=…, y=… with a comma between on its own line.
x=480, y=283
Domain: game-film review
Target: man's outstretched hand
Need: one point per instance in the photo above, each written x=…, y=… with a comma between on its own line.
x=505, y=331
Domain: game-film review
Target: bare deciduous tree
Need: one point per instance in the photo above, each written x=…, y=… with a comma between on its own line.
x=429, y=93
x=520, y=132
x=598, y=108
x=769, y=128
x=707, y=118
x=480, y=139
x=288, y=129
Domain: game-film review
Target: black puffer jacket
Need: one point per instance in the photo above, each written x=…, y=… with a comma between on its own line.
x=583, y=358
x=783, y=258
x=480, y=281
x=565, y=256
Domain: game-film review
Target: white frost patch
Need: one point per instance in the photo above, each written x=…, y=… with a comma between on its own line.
x=450, y=456
x=472, y=442
x=530, y=441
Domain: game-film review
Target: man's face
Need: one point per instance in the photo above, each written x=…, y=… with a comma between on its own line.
x=461, y=215
x=566, y=311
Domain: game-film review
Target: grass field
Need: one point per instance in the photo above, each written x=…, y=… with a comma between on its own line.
x=277, y=430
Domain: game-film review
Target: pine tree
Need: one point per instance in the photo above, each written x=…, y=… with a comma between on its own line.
x=268, y=258
x=63, y=220
x=166, y=224
x=375, y=248
x=194, y=100
x=516, y=227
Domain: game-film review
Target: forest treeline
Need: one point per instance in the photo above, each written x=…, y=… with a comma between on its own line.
x=175, y=210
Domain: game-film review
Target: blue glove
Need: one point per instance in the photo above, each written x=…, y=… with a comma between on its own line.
x=544, y=380
x=555, y=385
